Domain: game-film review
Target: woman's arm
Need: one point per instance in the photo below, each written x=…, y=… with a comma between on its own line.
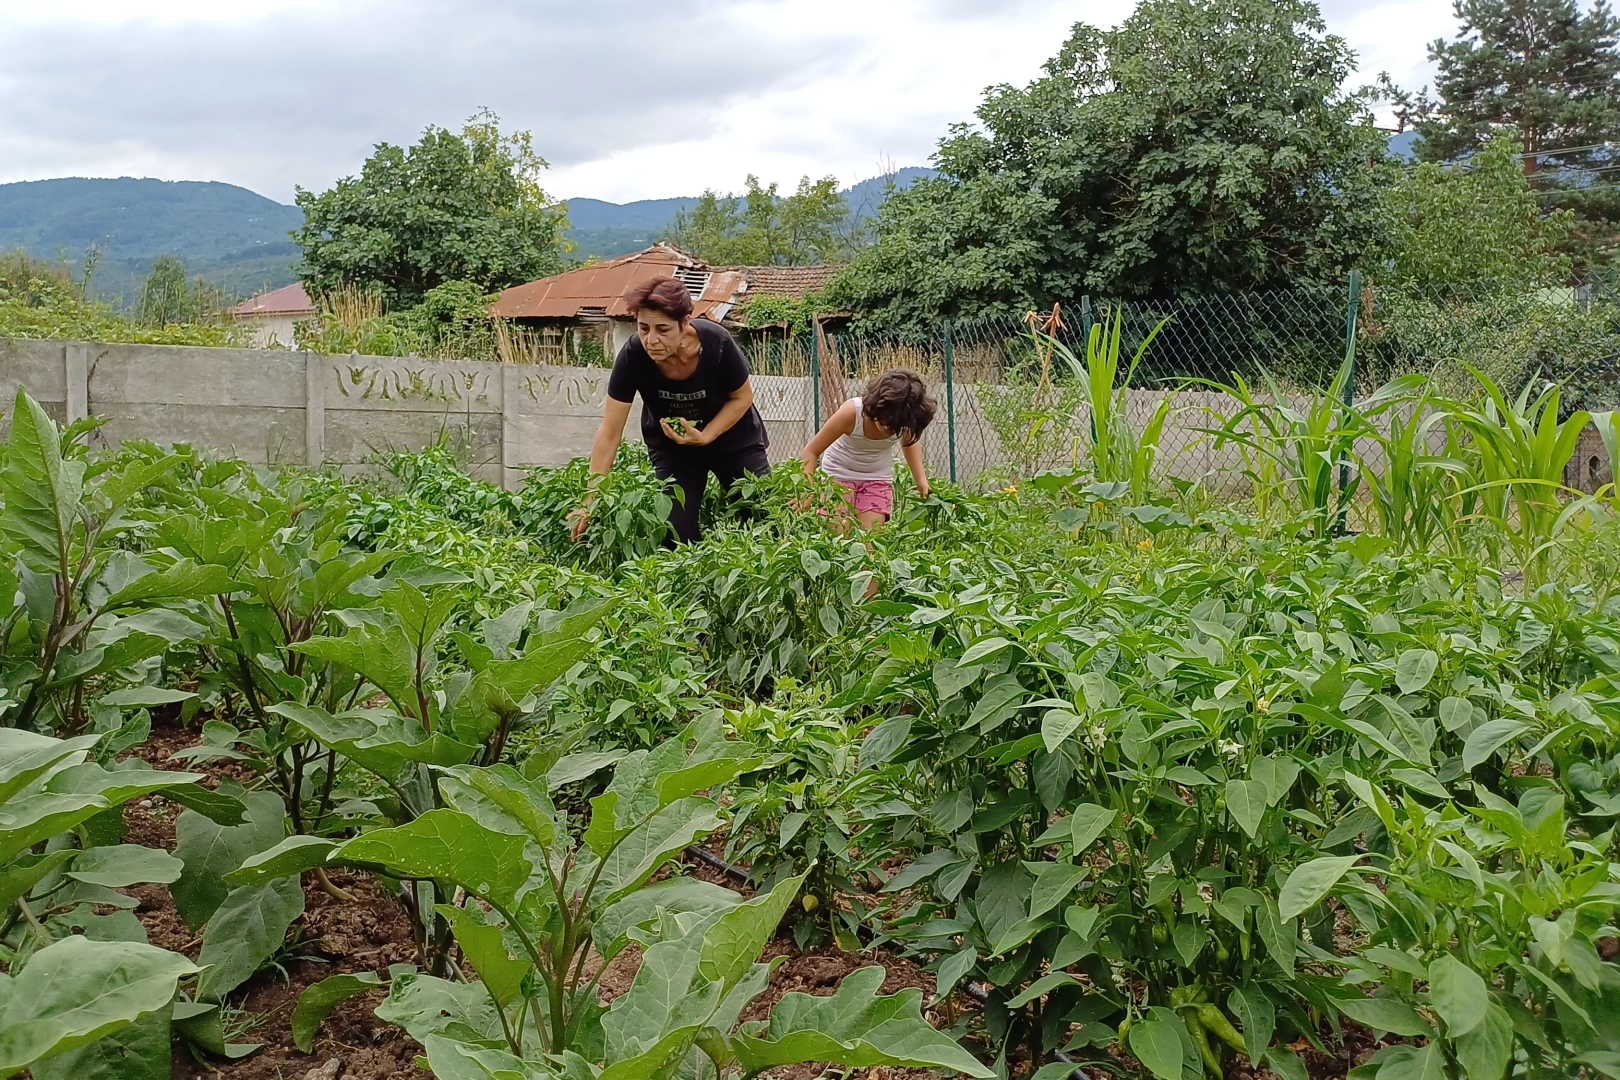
x=604, y=448
x=840, y=423
x=914, y=461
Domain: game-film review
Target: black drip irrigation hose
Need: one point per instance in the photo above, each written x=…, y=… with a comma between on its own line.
x=977, y=993
x=735, y=873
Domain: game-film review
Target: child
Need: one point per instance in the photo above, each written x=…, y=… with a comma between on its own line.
x=856, y=444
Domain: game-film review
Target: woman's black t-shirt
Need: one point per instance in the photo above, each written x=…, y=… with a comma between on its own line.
x=721, y=370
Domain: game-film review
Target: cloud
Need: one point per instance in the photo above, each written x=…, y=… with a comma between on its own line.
x=623, y=103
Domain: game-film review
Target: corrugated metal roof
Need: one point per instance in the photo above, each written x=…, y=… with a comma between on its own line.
x=287, y=300
x=602, y=286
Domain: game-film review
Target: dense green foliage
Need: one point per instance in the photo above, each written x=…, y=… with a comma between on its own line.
x=464, y=206
x=1474, y=230
x=40, y=300
x=1203, y=146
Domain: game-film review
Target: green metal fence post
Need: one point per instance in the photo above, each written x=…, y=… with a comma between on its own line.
x=1352, y=309
x=1085, y=321
x=950, y=400
x=815, y=380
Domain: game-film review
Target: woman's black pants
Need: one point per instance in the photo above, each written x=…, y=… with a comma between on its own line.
x=688, y=469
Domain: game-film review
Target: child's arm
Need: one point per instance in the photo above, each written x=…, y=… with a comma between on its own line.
x=839, y=424
x=914, y=461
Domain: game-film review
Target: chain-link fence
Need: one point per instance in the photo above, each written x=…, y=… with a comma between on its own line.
x=1009, y=406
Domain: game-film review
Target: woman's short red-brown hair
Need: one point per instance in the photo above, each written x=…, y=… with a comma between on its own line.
x=661, y=294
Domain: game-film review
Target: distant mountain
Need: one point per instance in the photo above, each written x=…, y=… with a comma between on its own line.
x=608, y=230
x=230, y=236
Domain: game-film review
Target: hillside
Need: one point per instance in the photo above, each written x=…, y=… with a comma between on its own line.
x=232, y=237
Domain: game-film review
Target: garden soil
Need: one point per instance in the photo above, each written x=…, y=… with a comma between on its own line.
x=337, y=937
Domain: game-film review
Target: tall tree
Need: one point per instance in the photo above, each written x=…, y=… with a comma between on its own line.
x=1551, y=72
x=168, y=298
x=1475, y=229
x=762, y=228
x=1203, y=146
x=462, y=206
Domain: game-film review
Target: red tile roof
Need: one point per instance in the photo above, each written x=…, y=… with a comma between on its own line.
x=288, y=300
x=599, y=288
x=793, y=282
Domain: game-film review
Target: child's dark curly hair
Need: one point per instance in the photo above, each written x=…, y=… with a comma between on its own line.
x=899, y=400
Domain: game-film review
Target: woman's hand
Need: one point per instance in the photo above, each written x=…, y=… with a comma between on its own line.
x=686, y=433
x=579, y=519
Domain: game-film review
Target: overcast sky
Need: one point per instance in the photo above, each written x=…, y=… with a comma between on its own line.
x=626, y=101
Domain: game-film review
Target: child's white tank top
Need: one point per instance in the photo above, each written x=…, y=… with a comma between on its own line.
x=857, y=459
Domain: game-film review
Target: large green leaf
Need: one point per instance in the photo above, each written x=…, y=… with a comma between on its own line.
x=1246, y=802
x=424, y=1006
x=676, y=895
x=446, y=845
x=1486, y=1050
x=732, y=942
x=502, y=799
x=499, y=969
x=211, y=851
x=857, y=1028
x=667, y=996
x=125, y=864
x=1458, y=994
x=1414, y=668
x=26, y=756
x=245, y=931
x=293, y=855
x=73, y=992
x=385, y=656
x=1310, y=882
x=1157, y=1043
x=452, y=1060
x=1385, y=1014
x=39, y=816
x=318, y=1001
x=140, y=1051
x=41, y=492
x=378, y=740
x=639, y=855
x=1488, y=738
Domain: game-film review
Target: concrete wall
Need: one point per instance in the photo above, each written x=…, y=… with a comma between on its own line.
x=277, y=406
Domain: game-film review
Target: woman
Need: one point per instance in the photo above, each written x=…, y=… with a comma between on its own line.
x=697, y=407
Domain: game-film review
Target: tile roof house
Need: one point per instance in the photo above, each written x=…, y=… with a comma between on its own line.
x=582, y=310
x=273, y=316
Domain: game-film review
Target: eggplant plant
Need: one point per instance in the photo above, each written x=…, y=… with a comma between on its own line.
x=76, y=981
x=540, y=895
x=425, y=720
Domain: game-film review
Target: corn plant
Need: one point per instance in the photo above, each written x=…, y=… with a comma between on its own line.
x=1517, y=453
x=1118, y=453
x=1412, y=488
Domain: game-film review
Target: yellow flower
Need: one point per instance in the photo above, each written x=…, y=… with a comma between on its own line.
x=1144, y=545
x=1012, y=489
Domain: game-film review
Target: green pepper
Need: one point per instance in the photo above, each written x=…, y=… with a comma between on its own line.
x=1245, y=943
x=1124, y=1029
x=1216, y=1023
x=1205, y=1052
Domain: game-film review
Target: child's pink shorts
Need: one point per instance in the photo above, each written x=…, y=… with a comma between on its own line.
x=871, y=496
